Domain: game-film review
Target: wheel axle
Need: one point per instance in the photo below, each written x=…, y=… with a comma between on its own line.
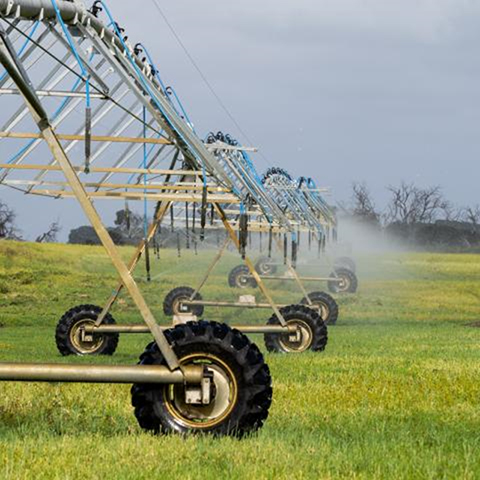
x=33, y=372
x=233, y=304
x=109, y=329
x=303, y=279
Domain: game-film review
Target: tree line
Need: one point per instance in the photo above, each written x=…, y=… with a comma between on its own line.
x=417, y=216
x=413, y=215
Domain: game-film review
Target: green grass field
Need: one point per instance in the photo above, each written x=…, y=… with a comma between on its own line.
x=395, y=395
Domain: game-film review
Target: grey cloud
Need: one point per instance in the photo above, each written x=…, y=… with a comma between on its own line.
x=342, y=90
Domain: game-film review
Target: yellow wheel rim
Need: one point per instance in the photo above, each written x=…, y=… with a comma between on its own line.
x=324, y=310
x=344, y=284
x=83, y=346
x=300, y=344
x=224, y=397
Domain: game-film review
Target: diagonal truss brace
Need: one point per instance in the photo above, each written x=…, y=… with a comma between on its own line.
x=9, y=61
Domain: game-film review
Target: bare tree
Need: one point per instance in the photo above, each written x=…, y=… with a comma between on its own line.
x=363, y=204
x=410, y=204
x=50, y=236
x=472, y=215
x=452, y=213
x=8, y=229
x=129, y=223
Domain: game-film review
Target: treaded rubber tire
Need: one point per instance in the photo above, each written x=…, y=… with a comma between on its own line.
x=264, y=266
x=350, y=279
x=243, y=357
x=76, y=315
x=345, y=262
x=323, y=298
x=182, y=293
x=307, y=315
x=275, y=171
x=238, y=271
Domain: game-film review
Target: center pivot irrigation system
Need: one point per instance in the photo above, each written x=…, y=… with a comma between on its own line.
x=89, y=118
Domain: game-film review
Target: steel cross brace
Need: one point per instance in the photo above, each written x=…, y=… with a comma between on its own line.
x=129, y=76
x=217, y=259
x=250, y=265
x=159, y=216
x=294, y=273
x=160, y=212
x=152, y=230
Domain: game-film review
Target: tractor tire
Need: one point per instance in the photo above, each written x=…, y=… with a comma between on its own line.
x=68, y=334
x=328, y=306
x=345, y=262
x=240, y=277
x=264, y=266
x=242, y=384
x=172, y=305
x=314, y=335
x=348, y=284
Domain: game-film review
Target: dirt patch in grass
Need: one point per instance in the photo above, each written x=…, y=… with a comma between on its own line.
x=474, y=324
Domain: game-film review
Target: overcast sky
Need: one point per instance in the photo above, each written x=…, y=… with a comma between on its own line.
x=341, y=90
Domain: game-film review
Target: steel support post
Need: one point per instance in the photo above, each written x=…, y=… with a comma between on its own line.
x=135, y=259
x=160, y=213
x=250, y=265
x=294, y=274
x=213, y=264
x=127, y=279
x=41, y=119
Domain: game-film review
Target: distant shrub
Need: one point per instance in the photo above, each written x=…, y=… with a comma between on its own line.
x=87, y=236
x=441, y=235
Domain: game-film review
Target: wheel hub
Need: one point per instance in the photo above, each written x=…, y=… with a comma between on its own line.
x=242, y=281
x=324, y=310
x=344, y=283
x=83, y=342
x=223, y=394
x=179, y=307
x=265, y=268
x=299, y=342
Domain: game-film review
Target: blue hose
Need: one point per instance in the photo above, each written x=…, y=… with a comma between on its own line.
x=145, y=84
x=185, y=114
x=145, y=157
x=54, y=116
x=24, y=46
x=74, y=50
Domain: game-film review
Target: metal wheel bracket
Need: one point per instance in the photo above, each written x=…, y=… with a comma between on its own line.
x=183, y=307
x=247, y=299
x=297, y=336
x=86, y=337
x=200, y=394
